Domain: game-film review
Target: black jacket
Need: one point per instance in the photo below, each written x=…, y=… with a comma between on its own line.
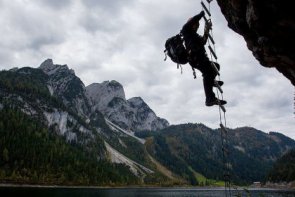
x=194, y=43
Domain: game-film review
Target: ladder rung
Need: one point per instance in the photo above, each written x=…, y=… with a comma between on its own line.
x=218, y=86
x=210, y=48
x=222, y=108
x=223, y=128
x=205, y=8
x=205, y=18
x=215, y=68
x=211, y=39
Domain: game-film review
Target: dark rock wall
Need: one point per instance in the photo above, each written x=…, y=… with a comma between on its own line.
x=268, y=27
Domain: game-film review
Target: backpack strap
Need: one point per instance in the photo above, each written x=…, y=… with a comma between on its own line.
x=179, y=65
x=165, y=52
x=194, y=73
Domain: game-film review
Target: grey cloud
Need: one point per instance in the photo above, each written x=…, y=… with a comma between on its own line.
x=55, y=4
x=124, y=41
x=5, y=57
x=30, y=28
x=100, y=21
x=112, y=5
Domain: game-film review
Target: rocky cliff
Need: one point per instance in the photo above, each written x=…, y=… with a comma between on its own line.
x=268, y=27
x=132, y=114
x=64, y=84
x=49, y=118
x=107, y=97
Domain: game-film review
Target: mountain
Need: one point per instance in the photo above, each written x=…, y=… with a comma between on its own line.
x=52, y=100
x=132, y=114
x=283, y=169
x=44, y=142
x=64, y=84
x=193, y=149
x=54, y=130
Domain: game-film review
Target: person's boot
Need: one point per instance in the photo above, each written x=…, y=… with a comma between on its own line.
x=220, y=83
x=215, y=101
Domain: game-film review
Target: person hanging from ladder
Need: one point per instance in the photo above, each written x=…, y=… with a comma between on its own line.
x=197, y=56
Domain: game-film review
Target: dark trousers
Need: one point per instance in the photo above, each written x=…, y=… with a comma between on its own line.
x=209, y=75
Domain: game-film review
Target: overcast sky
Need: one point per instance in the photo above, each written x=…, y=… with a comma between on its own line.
x=124, y=41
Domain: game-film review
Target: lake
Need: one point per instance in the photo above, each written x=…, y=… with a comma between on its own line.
x=138, y=192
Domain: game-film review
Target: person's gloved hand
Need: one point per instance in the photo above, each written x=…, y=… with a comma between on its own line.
x=208, y=25
x=202, y=13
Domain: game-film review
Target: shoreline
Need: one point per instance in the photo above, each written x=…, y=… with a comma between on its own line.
x=2, y=185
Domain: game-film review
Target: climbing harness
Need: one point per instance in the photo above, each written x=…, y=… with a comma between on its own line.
x=222, y=110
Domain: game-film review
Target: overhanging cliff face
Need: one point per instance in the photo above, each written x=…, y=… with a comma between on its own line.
x=268, y=27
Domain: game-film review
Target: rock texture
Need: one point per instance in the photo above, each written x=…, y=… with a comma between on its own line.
x=107, y=97
x=132, y=114
x=268, y=27
x=64, y=84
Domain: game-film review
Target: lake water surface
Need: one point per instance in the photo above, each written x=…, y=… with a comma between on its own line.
x=138, y=192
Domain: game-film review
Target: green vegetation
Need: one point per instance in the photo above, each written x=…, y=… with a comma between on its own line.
x=126, y=145
x=189, y=154
x=24, y=81
x=28, y=83
x=30, y=153
x=161, y=152
x=284, y=168
x=193, y=151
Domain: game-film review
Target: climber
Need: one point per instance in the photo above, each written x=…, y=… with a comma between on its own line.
x=198, y=59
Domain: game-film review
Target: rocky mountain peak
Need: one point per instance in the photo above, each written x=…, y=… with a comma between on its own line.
x=136, y=101
x=101, y=94
x=132, y=114
x=140, y=106
x=62, y=82
x=50, y=69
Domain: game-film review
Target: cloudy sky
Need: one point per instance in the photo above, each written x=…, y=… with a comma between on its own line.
x=124, y=41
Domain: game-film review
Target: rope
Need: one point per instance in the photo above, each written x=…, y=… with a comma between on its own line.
x=222, y=119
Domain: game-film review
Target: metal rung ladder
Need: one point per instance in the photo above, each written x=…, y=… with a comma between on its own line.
x=223, y=131
x=215, y=68
x=205, y=8
x=212, y=51
x=218, y=86
x=211, y=39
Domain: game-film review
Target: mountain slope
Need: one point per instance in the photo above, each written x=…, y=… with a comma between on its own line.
x=283, y=169
x=194, y=147
x=54, y=98
x=33, y=153
x=54, y=130
x=65, y=85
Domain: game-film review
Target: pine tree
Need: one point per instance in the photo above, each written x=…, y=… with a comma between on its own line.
x=5, y=155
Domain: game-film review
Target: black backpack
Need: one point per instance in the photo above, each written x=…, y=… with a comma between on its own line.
x=175, y=49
